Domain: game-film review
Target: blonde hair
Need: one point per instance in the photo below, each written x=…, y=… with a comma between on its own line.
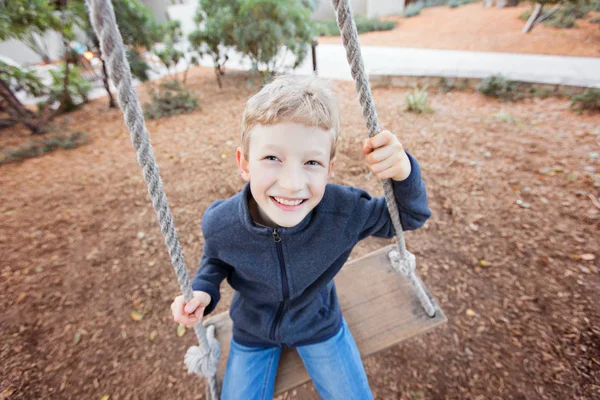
x=304, y=100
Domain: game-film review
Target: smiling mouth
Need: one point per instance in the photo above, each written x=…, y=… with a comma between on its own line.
x=287, y=202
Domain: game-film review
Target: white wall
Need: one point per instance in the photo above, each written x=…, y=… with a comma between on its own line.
x=159, y=8
x=23, y=55
x=325, y=11
x=185, y=14
x=380, y=8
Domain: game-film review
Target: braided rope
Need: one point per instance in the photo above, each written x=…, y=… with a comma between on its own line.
x=202, y=359
x=404, y=262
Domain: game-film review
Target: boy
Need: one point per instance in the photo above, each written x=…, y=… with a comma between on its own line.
x=283, y=238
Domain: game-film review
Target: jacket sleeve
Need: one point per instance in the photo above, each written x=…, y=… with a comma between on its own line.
x=212, y=270
x=208, y=279
x=411, y=197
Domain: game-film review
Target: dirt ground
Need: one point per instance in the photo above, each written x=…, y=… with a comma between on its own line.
x=475, y=28
x=511, y=252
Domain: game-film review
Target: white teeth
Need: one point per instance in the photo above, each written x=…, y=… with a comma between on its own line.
x=288, y=202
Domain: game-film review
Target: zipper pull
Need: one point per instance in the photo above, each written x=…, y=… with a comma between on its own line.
x=276, y=236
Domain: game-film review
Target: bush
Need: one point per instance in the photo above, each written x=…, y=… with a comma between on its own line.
x=497, y=86
x=565, y=17
x=363, y=25
x=417, y=101
x=139, y=67
x=43, y=146
x=588, y=100
x=78, y=88
x=434, y=3
x=458, y=3
x=413, y=9
x=170, y=98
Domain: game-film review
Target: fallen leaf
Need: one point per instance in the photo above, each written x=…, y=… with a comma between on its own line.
x=21, y=297
x=136, y=315
x=39, y=269
x=588, y=257
x=181, y=330
x=77, y=338
x=10, y=212
x=152, y=335
x=484, y=263
x=105, y=397
x=470, y=313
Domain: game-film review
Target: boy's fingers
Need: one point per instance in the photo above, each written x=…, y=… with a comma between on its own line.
x=381, y=139
x=366, y=147
x=379, y=155
x=191, y=305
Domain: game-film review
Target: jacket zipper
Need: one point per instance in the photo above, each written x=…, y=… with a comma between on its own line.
x=284, y=281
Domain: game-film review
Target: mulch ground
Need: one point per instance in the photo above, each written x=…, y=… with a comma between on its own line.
x=475, y=28
x=511, y=252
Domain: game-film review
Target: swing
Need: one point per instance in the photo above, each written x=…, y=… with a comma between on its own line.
x=382, y=299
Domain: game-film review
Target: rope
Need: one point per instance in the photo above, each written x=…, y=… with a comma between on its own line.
x=202, y=359
x=404, y=262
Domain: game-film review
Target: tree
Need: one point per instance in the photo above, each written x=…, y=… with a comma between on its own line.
x=214, y=33
x=26, y=20
x=23, y=19
x=537, y=16
x=139, y=30
x=262, y=30
x=265, y=28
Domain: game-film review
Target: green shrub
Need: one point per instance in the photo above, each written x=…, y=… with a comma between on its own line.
x=139, y=67
x=416, y=101
x=588, y=100
x=363, y=25
x=434, y=3
x=569, y=12
x=497, y=86
x=170, y=98
x=38, y=147
x=77, y=88
x=413, y=9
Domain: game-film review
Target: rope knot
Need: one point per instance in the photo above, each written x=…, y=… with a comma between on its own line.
x=204, y=362
x=406, y=265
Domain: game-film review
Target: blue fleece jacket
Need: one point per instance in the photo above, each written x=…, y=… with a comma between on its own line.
x=283, y=278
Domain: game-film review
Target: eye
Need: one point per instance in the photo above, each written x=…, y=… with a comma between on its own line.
x=314, y=163
x=271, y=158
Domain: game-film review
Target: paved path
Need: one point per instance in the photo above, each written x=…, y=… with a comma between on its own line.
x=332, y=64
x=572, y=71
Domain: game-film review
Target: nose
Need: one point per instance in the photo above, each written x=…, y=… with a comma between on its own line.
x=291, y=179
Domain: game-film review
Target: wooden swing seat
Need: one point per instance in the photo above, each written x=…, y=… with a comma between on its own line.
x=379, y=305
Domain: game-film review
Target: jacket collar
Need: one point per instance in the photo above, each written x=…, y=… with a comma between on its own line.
x=252, y=226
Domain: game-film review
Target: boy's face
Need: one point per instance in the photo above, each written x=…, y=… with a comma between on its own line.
x=288, y=167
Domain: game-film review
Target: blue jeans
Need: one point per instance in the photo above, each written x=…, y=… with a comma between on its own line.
x=334, y=366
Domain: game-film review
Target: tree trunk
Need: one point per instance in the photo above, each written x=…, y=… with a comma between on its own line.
x=218, y=76
x=111, y=99
x=18, y=112
x=537, y=17
x=534, y=15
x=16, y=109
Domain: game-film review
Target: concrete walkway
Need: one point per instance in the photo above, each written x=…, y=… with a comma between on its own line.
x=395, y=61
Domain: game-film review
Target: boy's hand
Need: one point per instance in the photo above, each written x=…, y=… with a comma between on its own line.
x=386, y=156
x=191, y=313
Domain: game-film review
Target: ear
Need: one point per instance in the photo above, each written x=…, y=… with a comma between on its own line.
x=331, y=163
x=242, y=164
